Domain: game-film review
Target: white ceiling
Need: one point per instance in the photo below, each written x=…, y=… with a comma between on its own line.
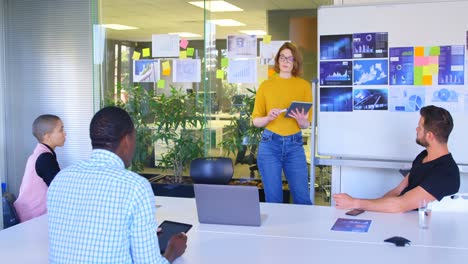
x=166, y=16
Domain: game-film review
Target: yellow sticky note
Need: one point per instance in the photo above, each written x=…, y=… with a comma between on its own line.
x=224, y=62
x=426, y=70
x=418, y=51
x=136, y=55
x=434, y=69
x=190, y=52
x=267, y=39
x=271, y=72
x=427, y=80
x=166, y=65
x=167, y=72
x=161, y=84
x=183, y=54
x=219, y=74
x=146, y=52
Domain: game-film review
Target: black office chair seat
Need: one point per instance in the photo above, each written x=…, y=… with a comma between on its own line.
x=213, y=170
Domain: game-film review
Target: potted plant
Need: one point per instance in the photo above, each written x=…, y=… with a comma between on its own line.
x=180, y=125
x=136, y=101
x=173, y=120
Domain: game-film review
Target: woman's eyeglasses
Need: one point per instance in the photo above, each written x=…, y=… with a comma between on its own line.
x=286, y=59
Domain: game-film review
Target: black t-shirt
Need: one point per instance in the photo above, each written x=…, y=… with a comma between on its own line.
x=439, y=177
x=47, y=166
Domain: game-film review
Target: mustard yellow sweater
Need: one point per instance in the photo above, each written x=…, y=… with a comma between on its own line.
x=279, y=93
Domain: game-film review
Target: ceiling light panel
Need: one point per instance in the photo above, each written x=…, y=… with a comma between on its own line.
x=118, y=27
x=216, y=6
x=186, y=34
x=227, y=23
x=254, y=32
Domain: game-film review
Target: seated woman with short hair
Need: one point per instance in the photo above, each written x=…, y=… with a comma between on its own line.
x=41, y=167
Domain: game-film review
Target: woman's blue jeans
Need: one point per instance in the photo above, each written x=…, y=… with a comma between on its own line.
x=277, y=153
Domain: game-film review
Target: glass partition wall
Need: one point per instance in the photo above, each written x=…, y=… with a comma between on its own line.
x=188, y=71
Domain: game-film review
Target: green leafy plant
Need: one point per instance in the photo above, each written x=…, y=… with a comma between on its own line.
x=137, y=102
x=179, y=124
x=173, y=120
x=241, y=135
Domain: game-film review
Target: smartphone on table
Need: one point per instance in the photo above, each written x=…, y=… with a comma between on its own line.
x=355, y=212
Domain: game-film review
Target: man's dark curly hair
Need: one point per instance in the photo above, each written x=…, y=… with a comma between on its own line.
x=438, y=121
x=108, y=126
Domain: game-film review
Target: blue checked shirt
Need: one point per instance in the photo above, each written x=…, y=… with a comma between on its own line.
x=99, y=212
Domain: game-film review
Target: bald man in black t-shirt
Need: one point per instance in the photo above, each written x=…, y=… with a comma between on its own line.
x=434, y=173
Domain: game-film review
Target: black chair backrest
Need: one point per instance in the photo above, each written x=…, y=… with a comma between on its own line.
x=213, y=170
x=10, y=218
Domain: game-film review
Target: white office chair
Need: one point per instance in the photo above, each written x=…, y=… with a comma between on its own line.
x=452, y=203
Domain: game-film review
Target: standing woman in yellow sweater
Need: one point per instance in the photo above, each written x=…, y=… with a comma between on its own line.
x=281, y=144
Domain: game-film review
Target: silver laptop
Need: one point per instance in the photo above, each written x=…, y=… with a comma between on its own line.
x=227, y=204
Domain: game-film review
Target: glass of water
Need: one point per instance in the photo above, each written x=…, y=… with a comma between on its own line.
x=424, y=214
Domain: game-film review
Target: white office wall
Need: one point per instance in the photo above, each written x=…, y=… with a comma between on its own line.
x=372, y=183
x=48, y=69
x=368, y=183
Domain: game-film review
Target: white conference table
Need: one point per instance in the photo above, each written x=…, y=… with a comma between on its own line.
x=289, y=234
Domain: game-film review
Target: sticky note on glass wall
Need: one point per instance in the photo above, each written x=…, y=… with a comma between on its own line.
x=190, y=52
x=183, y=54
x=166, y=65
x=219, y=74
x=224, y=62
x=167, y=72
x=271, y=72
x=183, y=43
x=136, y=55
x=146, y=52
x=267, y=39
x=161, y=84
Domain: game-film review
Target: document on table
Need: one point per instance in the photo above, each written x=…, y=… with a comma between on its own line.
x=351, y=225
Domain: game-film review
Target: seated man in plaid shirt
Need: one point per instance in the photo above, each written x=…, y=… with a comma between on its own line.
x=98, y=211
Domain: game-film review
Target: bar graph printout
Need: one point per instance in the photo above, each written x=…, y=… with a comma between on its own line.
x=242, y=71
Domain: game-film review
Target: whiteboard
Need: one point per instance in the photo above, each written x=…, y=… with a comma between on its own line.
x=389, y=134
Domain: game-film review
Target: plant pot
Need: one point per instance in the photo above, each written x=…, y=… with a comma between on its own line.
x=217, y=170
x=167, y=185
